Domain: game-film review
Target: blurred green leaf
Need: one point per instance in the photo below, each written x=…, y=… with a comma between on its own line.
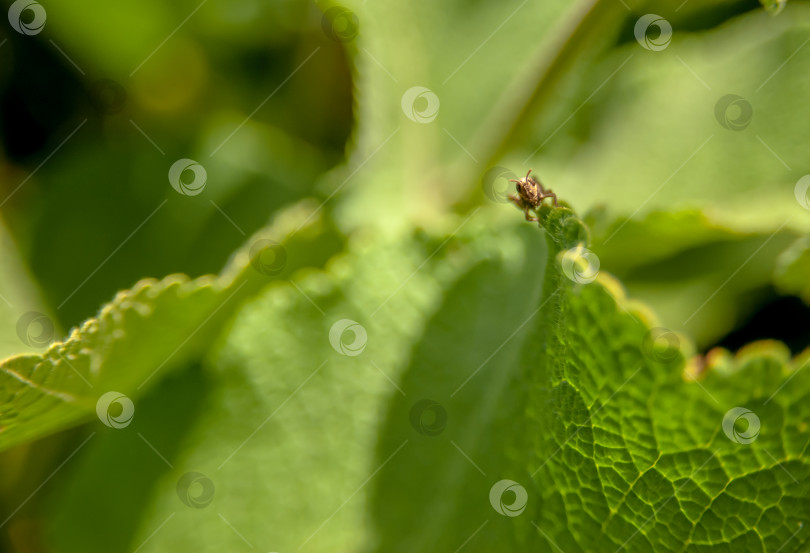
x=648, y=137
x=290, y=424
x=16, y=283
x=702, y=278
x=792, y=268
x=144, y=331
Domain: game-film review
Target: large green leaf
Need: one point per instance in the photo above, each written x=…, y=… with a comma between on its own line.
x=491, y=364
x=643, y=455
x=289, y=425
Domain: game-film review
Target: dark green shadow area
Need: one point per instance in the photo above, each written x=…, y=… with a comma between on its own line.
x=105, y=489
x=429, y=497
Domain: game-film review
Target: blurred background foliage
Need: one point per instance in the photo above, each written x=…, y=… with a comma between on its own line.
x=684, y=210
x=187, y=98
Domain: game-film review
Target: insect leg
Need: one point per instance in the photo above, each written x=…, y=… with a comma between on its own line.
x=549, y=194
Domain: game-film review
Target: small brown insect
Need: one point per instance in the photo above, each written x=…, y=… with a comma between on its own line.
x=530, y=194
